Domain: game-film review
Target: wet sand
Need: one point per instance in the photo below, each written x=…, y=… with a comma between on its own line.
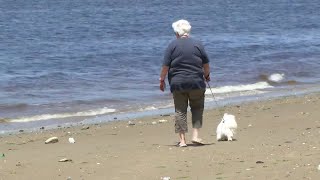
x=276, y=139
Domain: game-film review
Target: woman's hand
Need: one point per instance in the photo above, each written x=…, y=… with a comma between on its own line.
x=162, y=85
x=208, y=78
x=206, y=68
x=164, y=71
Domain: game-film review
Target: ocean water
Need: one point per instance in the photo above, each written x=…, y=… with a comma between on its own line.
x=88, y=61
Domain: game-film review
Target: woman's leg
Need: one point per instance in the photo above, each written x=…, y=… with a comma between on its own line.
x=181, y=106
x=196, y=98
x=182, y=139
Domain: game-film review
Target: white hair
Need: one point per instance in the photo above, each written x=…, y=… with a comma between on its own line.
x=181, y=27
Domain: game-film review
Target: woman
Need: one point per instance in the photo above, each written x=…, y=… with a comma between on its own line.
x=187, y=66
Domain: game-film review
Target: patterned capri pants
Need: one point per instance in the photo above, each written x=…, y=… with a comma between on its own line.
x=194, y=98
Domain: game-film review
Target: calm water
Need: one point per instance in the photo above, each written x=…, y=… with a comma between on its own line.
x=64, y=61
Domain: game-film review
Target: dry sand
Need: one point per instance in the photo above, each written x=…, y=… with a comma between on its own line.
x=276, y=139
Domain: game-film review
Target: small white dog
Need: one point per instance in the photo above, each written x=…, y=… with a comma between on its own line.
x=227, y=128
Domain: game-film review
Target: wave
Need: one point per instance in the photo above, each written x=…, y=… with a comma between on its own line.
x=273, y=78
x=4, y=120
x=277, y=78
x=237, y=88
x=148, y=108
x=13, y=106
x=62, y=115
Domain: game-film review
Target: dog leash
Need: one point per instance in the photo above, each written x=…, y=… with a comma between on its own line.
x=214, y=98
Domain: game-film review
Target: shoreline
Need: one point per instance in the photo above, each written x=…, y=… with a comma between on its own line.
x=276, y=139
x=36, y=126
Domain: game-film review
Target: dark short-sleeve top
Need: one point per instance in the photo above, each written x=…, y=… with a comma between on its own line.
x=185, y=58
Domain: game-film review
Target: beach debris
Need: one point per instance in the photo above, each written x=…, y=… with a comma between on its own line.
x=69, y=178
x=318, y=167
x=115, y=118
x=130, y=123
x=65, y=160
x=18, y=164
x=42, y=127
x=249, y=125
x=21, y=130
x=85, y=127
x=165, y=115
x=2, y=155
x=259, y=162
x=163, y=121
x=165, y=178
x=154, y=123
x=71, y=140
x=51, y=140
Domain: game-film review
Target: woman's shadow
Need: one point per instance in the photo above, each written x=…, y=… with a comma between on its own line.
x=191, y=145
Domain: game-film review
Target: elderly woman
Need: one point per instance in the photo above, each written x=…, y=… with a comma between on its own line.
x=187, y=66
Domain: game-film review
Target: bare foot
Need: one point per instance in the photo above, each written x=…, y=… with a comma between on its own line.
x=198, y=141
x=181, y=144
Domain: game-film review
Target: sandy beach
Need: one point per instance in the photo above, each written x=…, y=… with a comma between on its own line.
x=276, y=139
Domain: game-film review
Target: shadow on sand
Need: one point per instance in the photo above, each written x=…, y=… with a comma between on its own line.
x=191, y=145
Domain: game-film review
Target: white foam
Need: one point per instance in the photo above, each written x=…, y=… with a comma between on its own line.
x=169, y=105
x=162, y=106
x=63, y=115
x=237, y=88
x=276, y=77
x=149, y=108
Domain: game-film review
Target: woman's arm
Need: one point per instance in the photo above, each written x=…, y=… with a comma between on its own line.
x=206, y=68
x=163, y=74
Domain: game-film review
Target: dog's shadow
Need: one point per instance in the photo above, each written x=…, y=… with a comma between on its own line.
x=225, y=140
